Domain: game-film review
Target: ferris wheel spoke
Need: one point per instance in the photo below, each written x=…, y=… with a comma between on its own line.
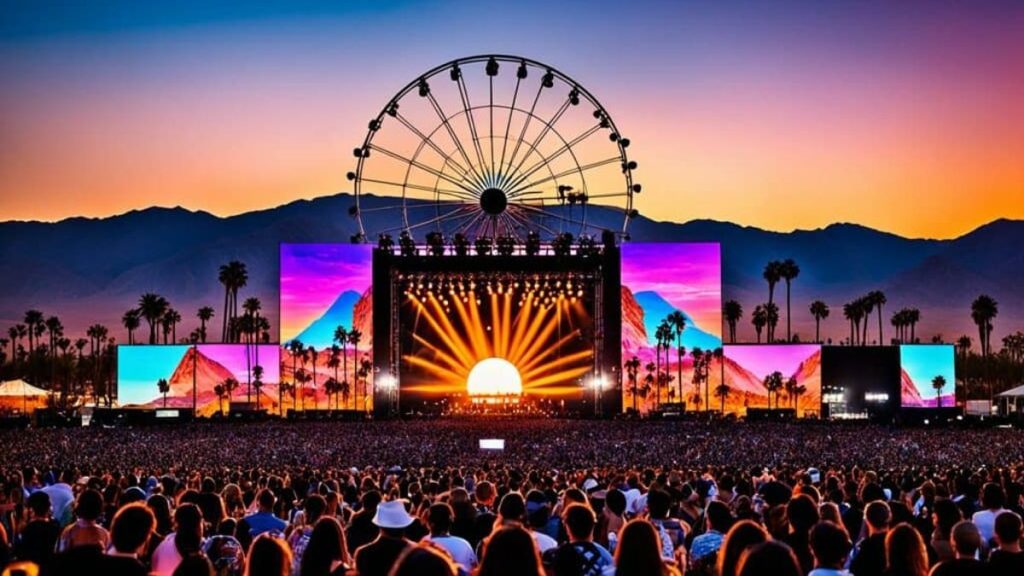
x=423, y=167
x=467, y=225
x=451, y=134
x=468, y=108
x=437, y=219
x=547, y=160
x=508, y=126
x=548, y=125
x=547, y=214
x=463, y=172
x=580, y=170
x=522, y=134
x=456, y=193
x=490, y=109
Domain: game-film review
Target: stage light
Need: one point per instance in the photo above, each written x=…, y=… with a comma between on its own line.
x=387, y=383
x=494, y=377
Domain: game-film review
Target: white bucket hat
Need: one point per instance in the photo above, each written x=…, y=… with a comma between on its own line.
x=392, y=514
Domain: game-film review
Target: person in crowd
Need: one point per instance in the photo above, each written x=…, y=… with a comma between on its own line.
x=195, y=565
x=377, y=557
x=992, y=500
x=269, y=556
x=743, y=535
x=62, y=497
x=538, y=518
x=85, y=531
x=945, y=515
x=38, y=539
x=186, y=540
x=1007, y=558
x=802, y=515
x=580, y=556
x=671, y=531
x=905, y=552
x=439, y=519
x=771, y=558
x=718, y=519
x=639, y=552
x=425, y=559
x=830, y=548
x=361, y=529
x=966, y=544
x=326, y=553
x=869, y=556
x=313, y=508
x=510, y=551
x=264, y=520
x=613, y=518
x=130, y=532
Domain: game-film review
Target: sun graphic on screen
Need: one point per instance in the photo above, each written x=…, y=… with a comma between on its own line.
x=494, y=377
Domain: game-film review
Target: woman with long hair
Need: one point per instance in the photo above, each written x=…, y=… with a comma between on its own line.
x=905, y=553
x=771, y=558
x=743, y=535
x=639, y=552
x=424, y=559
x=510, y=551
x=268, y=556
x=326, y=553
x=186, y=540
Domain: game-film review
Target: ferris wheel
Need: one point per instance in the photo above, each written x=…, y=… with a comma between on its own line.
x=494, y=146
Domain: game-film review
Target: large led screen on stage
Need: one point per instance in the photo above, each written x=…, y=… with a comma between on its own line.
x=496, y=342
x=790, y=374
x=928, y=376
x=326, y=325
x=860, y=381
x=163, y=376
x=671, y=325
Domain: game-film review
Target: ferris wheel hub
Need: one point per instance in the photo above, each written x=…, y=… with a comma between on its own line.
x=493, y=201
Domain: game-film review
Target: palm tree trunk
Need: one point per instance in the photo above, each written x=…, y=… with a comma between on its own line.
x=789, y=334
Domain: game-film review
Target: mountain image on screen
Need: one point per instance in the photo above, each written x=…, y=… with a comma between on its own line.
x=320, y=332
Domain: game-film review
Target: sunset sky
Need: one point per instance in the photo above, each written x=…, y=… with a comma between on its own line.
x=905, y=116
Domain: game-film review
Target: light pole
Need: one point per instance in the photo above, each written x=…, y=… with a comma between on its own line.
x=596, y=383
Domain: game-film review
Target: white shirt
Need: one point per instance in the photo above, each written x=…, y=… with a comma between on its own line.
x=61, y=500
x=459, y=548
x=986, y=523
x=543, y=541
x=828, y=572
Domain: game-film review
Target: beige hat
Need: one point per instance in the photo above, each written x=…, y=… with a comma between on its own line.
x=392, y=514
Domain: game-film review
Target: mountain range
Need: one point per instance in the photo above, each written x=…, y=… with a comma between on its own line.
x=89, y=270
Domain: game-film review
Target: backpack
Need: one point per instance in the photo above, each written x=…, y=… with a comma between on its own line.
x=579, y=559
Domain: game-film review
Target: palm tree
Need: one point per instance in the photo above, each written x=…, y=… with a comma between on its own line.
x=341, y=337
x=662, y=335
x=877, y=297
x=759, y=318
x=257, y=382
x=152, y=307
x=790, y=389
x=365, y=369
x=205, y=314
x=131, y=322
x=220, y=391
x=771, y=311
x=677, y=321
x=173, y=317
x=733, y=312
x=354, y=337
x=632, y=370
x=983, y=310
x=788, y=270
x=252, y=307
x=773, y=383
x=34, y=322
x=233, y=276
x=719, y=355
x=772, y=274
x=722, y=393
x=963, y=345
x=820, y=312
x=164, y=388
x=295, y=348
x=650, y=367
x=939, y=382
x=330, y=387
x=866, y=305
x=333, y=361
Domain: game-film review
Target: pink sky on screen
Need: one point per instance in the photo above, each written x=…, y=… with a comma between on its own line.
x=688, y=275
x=232, y=357
x=762, y=360
x=314, y=275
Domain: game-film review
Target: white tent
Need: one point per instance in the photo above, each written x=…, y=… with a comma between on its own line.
x=1011, y=402
x=1017, y=392
x=20, y=388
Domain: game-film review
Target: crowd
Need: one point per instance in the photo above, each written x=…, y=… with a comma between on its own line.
x=586, y=498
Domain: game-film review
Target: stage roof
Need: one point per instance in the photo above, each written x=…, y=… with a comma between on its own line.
x=1017, y=392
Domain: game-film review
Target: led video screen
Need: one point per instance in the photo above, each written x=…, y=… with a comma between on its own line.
x=789, y=373
x=162, y=376
x=671, y=317
x=928, y=378
x=860, y=381
x=495, y=341
x=327, y=326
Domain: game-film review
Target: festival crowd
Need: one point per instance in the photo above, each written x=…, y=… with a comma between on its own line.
x=564, y=498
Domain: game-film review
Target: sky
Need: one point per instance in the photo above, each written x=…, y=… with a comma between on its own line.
x=313, y=276
x=924, y=362
x=900, y=116
x=762, y=360
x=688, y=276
